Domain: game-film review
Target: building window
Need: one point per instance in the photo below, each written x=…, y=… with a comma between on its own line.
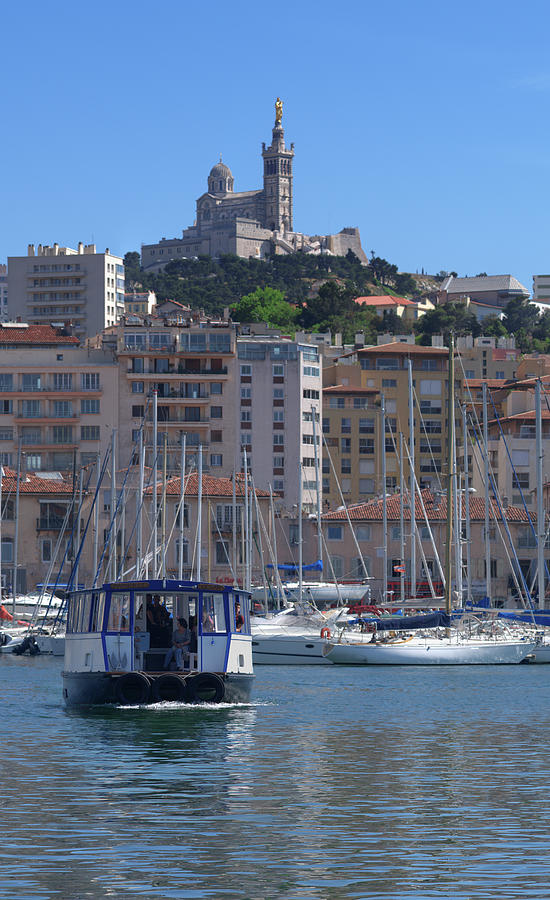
x=216, y=387
x=366, y=485
x=7, y=550
x=216, y=459
x=46, y=550
x=6, y=434
x=326, y=426
x=346, y=445
x=62, y=381
x=278, y=438
x=62, y=434
x=89, y=433
x=278, y=485
x=89, y=405
x=216, y=412
x=278, y=394
x=246, y=415
x=62, y=409
x=429, y=386
x=366, y=426
x=278, y=370
x=337, y=402
x=137, y=412
x=278, y=462
x=362, y=532
x=278, y=415
x=246, y=393
x=216, y=437
x=246, y=369
x=137, y=387
x=311, y=370
x=335, y=533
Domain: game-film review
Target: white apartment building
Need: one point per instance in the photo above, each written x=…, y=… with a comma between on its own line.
x=59, y=285
x=280, y=388
x=3, y=292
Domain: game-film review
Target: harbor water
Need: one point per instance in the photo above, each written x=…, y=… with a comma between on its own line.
x=332, y=783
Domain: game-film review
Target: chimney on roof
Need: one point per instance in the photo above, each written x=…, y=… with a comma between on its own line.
x=505, y=502
x=30, y=249
x=80, y=248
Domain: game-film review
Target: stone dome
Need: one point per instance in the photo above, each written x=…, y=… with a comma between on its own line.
x=220, y=170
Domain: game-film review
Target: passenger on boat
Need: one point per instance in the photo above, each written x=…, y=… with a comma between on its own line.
x=239, y=621
x=207, y=621
x=158, y=622
x=180, y=642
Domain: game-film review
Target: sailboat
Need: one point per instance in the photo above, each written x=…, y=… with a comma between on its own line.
x=442, y=644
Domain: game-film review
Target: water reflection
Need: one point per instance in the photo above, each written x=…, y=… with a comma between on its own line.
x=354, y=785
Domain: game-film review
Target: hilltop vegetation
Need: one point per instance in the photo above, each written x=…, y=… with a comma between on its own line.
x=318, y=291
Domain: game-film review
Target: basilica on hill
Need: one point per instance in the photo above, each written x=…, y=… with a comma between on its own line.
x=250, y=223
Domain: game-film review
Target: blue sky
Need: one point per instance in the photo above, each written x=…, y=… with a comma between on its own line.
x=425, y=124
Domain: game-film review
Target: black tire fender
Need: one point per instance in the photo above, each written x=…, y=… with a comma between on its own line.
x=206, y=687
x=133, y=688
x=169, y=687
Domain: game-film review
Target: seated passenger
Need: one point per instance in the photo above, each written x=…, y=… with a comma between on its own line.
x=239, y=621
x=180, y=643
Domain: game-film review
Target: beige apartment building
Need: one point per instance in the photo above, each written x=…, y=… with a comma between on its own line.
x=190, y=363
x=366, y=521
x=58, y=401
x=29, y=539
x=3, y=292
x=487, y=357
x=352, y=418
x=62, y=285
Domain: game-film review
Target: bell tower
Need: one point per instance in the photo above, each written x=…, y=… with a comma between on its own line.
x=278, y=177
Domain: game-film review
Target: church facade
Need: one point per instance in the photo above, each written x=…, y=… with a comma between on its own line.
x=250, y=223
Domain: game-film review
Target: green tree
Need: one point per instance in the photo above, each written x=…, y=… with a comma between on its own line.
x=265, y=305
x=132, y=264
x=520, y=315
x=444, y=319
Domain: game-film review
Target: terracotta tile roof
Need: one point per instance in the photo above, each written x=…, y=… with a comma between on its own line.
x=528, y=415
x=384, y=300
x=34, y=334
x=436, y=512
x=211, y=486
x=349, y=389
x=492, y=383
x=401, y=348
x=33, y=484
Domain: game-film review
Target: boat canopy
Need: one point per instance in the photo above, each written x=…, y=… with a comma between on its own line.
x=541, y=618
x=310, y=567
x=407, y=623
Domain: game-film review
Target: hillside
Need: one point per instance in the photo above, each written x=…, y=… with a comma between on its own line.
x=214, y=284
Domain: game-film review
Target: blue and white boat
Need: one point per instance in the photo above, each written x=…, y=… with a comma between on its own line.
x=113, y=653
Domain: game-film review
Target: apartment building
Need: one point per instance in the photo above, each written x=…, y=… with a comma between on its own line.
x=512, y=443
x=366, y=520
x=140, y=303
x=541, y=288
x=352, y=418
x=190, y=364
x=278, y=416
x=58, y=401
x=33, y=533
x=58, y=284
x=487, y=357
x=3, y=292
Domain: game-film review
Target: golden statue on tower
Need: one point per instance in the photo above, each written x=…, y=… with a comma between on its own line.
x=278, y=111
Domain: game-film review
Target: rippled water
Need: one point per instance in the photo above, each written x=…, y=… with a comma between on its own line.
x=333, y=783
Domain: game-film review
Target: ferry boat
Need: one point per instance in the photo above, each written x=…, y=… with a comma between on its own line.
x=115, y=653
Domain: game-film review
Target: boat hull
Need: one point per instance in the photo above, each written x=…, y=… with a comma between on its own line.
x=97, y=688
x=428, y=652
x=289, y=650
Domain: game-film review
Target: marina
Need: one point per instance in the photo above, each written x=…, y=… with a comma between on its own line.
x=342, y=783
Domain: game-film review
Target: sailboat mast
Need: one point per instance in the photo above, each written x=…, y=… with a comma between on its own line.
x=199, y=518
x=412, y=486
x=450, y=459
x=401, y=519
x=16, y=537
x=139, y=505
x=182, y=505
x=317, y=486
x=384, y=501
x=300, y=546
x=154, y=497
x=486, y=459
x=541, y=532
x=467, y=505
